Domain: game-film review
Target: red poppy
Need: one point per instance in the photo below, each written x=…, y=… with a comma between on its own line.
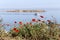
x=33, y=20
x=14, y=29
x=15, y=22
x=48, y=20
x=42, y=16
x=20, y=23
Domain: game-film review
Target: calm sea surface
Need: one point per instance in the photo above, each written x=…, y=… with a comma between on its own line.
x=10, y=17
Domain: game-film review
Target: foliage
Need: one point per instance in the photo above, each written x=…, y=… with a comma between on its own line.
x=36, y=30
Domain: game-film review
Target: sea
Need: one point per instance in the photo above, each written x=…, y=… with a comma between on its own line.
x=11, y=17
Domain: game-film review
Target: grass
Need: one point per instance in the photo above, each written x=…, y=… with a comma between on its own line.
x=34, y=30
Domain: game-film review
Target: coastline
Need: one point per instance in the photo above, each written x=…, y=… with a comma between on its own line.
x=22, y=10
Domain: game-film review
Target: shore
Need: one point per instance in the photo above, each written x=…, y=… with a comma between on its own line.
x=22, y=10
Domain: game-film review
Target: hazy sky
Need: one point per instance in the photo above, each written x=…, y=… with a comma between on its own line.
x=29, y=4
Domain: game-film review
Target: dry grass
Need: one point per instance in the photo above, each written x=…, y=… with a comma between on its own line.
x=35, y=30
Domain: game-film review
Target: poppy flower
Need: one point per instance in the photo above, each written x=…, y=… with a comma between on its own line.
x=33, y=20
x=48, y=20
x=15, y=22
x=42, y=16
x=20, y=23
x=14, y=29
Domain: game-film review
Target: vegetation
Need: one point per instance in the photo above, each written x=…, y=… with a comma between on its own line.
x=35, y=30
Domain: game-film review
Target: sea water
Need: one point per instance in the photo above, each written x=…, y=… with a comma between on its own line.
x=10, y=17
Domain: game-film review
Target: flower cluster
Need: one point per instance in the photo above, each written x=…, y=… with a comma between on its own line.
x=36, y=29
x=16, y=30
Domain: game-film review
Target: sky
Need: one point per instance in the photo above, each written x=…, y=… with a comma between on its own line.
x=20, y=4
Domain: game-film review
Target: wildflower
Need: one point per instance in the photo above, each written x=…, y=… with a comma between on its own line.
x=33, y=20
x=42, y=16
x=15, y=22
x=14, y=29
x=20, y=23
x=48, y=20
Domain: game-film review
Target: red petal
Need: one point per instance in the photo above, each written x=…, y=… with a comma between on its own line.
x=33, y=20
x=17, y=30
x=14, y=28
x=42, y=16
x=20, y=23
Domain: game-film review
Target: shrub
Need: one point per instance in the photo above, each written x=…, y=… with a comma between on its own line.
x=38, y=30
